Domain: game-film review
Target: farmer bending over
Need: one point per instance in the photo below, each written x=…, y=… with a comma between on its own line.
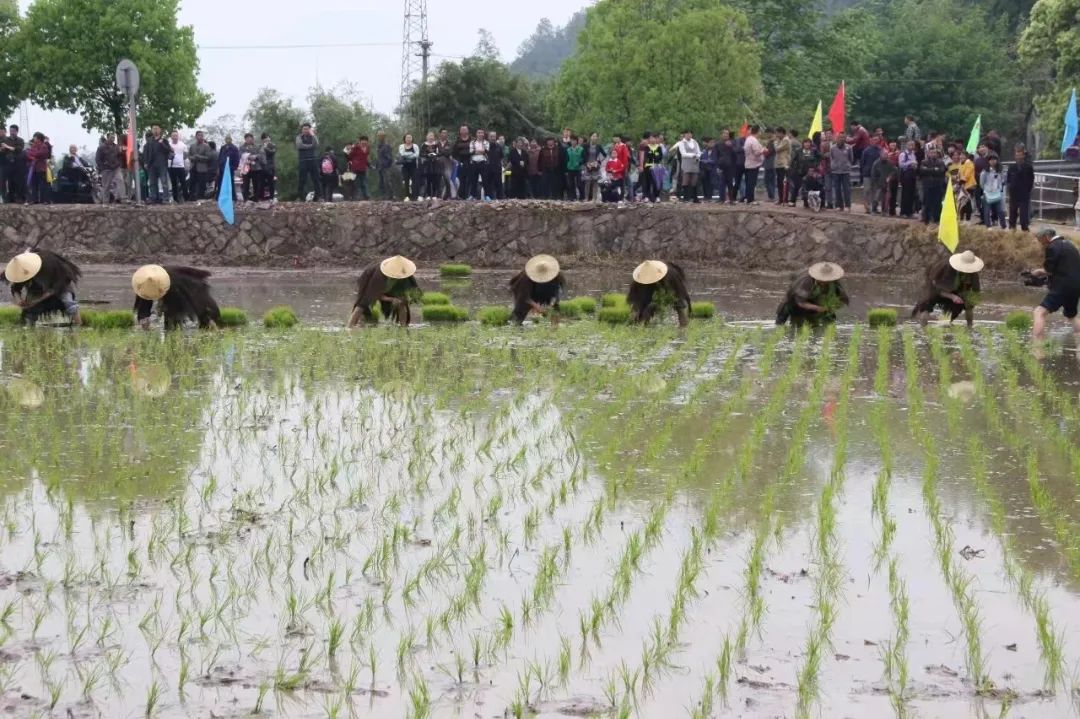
x=42, y=283
x=952, y=284
x=182, y=293
x=392, y=285
x=657, y=285
x=814, y=296
x=537, y=288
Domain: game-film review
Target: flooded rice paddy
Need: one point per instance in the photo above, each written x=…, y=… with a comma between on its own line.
x=730, y=520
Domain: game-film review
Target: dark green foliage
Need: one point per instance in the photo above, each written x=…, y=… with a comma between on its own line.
x=107, y=319
x=882, y=317
x=280, y=317
x=232, y=317
x=455, y=270
x=1018, y=321
x=494, y=316
x=616, y=315
x=444, y=313
x=434, y=298
x=543, y=52
x=702, y=310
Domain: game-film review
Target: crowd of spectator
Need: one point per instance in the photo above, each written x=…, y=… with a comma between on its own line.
x=904, y=176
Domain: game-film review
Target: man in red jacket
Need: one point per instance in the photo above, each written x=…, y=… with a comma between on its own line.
x=858, y=138
x=359, y=156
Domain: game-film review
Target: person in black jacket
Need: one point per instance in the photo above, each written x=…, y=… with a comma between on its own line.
x=494, y=181
x=1061, y=268
x=519, y=170
x=1020, y=180
x=537, y=288
x=155, y=159
x=934, y=175
x=461, y=151
x=307, y=162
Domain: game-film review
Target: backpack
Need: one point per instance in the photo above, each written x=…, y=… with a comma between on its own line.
x=327, y=166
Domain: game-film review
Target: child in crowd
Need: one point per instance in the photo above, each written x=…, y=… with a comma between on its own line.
x=812, y=186
x=328, y=174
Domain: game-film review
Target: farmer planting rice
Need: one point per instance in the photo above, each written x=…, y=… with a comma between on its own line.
x=392, y=285
x=952, y=284
x=1061, y=268
x=537, y=288
x=814, y=296
x=182, y=293
x=43, y=283
x=657, y=286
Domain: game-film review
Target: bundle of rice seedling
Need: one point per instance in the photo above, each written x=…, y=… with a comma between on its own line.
x=1018, y=321
x=107, y=319
x=434, y=298
x=583, y=305
x=702, y=310
x=613, y=300
x=279, y=317
x=614, y=315
x=881, y=317
x=455, y=270
x=232, y=317
x=493, y=316
x=10, y=315
x=444, y=313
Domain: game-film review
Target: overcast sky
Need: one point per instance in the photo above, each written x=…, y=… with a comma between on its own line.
x=234, y=76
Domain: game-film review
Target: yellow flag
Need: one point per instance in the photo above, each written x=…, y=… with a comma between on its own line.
x=815, y=126
x=949, y=229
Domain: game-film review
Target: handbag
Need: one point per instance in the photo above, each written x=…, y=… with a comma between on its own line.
x=992, y=196
x=348, y=176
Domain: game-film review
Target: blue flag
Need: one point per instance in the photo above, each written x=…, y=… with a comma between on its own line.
x=225, y=193
x=1070, y=124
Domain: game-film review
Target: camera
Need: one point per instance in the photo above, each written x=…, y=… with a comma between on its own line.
x=1032, y=280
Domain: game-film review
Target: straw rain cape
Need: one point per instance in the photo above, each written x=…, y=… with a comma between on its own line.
x=641, y=297
x=188, y=298
x=371, y=287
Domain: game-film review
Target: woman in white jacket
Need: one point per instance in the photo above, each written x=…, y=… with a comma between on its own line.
x=992, y=183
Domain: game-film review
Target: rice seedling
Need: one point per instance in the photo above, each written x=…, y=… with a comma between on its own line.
x=232, y=317
x=434, y=298
x=444, y=313
x=613, y=300
x=578, y=306
x=1018, y=321
x=452, y=269
x=280, y=317
x=10, y=316
x=881, y=317
x=614, y=314
x=493, y=316
x=702, y=310
x=107, y=319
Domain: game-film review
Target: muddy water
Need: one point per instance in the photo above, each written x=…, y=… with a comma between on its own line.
x=219, y=523
x=325, y=296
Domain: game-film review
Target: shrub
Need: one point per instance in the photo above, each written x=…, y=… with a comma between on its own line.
x=444, y=313
x=702, y=310
x=232, y=317
x=455, y=270
x=583, y=305
x=881, y=317
x=494, y=316
x=614, y=315
x=280, y=316
x=107, y=319
x=613, y=300
x=10, y=315
x=434, y=298
x=1018, y=321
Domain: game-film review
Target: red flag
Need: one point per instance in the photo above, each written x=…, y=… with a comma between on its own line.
x=130, y=146
x=836, y=111
x=745, y=129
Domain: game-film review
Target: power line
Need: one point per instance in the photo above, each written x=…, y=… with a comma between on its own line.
x=307, y=46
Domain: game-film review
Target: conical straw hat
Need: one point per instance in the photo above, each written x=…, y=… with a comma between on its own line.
x=25, y=392
x=650, y=272
x=151, y=282
x=966, y=262
x=23, y=267
x=826, y=271
x=542, y=268
x=397, y=267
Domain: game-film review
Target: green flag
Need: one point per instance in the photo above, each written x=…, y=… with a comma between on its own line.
x=973, y=140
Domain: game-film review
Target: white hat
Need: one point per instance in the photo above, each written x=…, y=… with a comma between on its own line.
x=826, y=271
x=23, y=267
x=542, y=268
x=151, y=282
x=966, y=262
x=397, y=267
x=650, y=272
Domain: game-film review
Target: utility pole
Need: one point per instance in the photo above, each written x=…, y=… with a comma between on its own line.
x=425, y=57
x=414, y=35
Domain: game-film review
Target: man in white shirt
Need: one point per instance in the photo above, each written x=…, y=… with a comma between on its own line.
x=755, y=158
x=689, y=165
x=177, y=166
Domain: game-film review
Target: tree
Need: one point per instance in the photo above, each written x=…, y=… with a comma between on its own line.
x=68, y=50
x=480, y=92
x=654, y=64
x=1050, y=50
x=485, y=46
x=543, y=52
x=10, y=90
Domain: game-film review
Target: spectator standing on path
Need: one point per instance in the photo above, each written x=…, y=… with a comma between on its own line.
x=519, y=170
x=992, y=184
x=805, y=158
x=593, y=157
x=575, y=155
x=461, y=152
x=551, y=168
x=841, y=158
x=934, y=175
x=178, y=151
x=882, y=178
x=228, y=154
x=770, y=164
x=708, y=167
x=478, y=165
x=155, y=158
x=649, y=154
x=981, y=162
x=871, y=154
x=266, y=180
x=1061, y=265
x=909, y=176
x=912, y=133
x=859, y=140
x=328, y=174
x=203, y=161
x=384, y=161
x=16, y=171
x=249, y=168
x=536, y=175
x=408, y=157
x=359, y=159
x=1020, y=180
x=446, y=164
x=107, y=159
x=307, y=162
x=6, y=150
x=496, y=154
x=725, y=166
x=689, y=166
x=755, y=157
x=782, y=163
x=430, y=167
x=39, y=155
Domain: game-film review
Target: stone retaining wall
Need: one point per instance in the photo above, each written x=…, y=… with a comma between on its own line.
x=758, y=238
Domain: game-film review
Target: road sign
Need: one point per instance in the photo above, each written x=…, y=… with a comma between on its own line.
x=127, y=77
